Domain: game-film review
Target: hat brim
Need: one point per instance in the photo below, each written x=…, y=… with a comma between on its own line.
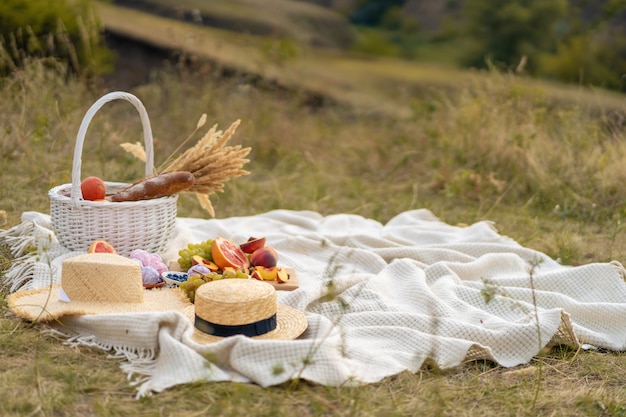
x=290, y=324
x=42, y=305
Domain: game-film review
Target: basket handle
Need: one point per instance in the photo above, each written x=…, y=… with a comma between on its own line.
x=76, y=193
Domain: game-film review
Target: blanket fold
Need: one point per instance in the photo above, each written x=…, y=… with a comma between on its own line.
x=379, y=299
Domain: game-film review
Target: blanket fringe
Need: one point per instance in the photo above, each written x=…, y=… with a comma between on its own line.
x=28, y=243
x=141, y=357
x=18, y=237
x=137, y=364
x=18, y=275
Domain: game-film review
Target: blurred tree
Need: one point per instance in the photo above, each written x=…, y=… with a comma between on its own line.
x=63, y=29
x=592, y=49
x=384, y=28
x=504, y=31
x=373, y=12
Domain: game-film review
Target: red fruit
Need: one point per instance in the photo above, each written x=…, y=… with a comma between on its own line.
x=266, y=256
x=93, y=188
x=252, y=244
x=228, y=254
x=101, y=246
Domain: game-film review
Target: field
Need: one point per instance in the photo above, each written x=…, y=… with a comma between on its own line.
x=334, y=134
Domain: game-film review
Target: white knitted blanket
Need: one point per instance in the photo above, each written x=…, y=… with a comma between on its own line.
x=379, y=298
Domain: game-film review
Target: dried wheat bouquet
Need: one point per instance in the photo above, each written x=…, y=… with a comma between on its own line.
x=211, y=162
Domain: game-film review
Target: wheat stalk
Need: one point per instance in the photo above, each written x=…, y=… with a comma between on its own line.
x=211, y=162
x=135, y=149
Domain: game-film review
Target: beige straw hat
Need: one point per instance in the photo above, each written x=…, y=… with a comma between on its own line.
x=95, y=283
x=243, y=306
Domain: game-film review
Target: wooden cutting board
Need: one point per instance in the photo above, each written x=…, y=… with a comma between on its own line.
x=291, y=285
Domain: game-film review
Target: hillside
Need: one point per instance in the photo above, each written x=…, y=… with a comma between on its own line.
x=303, y=22
x=366, y=84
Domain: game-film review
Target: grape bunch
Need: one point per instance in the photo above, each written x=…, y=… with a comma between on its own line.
x=192, y=284
x=203, y=249
x=234, y=273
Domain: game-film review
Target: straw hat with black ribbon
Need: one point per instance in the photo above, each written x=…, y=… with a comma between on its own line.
x=246, y=307
x=95, y=283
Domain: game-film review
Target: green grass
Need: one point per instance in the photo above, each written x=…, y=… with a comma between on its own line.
x=544, y=162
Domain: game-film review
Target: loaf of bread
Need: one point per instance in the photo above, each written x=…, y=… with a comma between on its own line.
x=161, y=185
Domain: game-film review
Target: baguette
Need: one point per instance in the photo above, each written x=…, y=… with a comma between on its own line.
x=161, y=185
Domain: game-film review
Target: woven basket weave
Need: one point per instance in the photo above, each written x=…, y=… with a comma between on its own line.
x=145, y=224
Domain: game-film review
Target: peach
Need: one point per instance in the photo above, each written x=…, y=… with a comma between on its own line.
x=93, y=188
x=199, y=260
x=282, y=275
x=266, y=256
x=256, y=274
x=265, y=274
x=253, y=244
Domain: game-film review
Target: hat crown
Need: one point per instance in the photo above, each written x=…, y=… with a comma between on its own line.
x=234, y=302
x=102, y=277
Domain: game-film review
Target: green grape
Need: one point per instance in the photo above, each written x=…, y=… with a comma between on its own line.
x=202, y=249
x=229, y=273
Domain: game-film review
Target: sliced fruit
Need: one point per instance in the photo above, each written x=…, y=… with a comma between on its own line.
x=228, y=254
x=266, y=274
x=266, y=256
x=256, y=274
x=199, y=260
x=211, y=265
x=101, y=246
x=252, y=244
x=282, y=275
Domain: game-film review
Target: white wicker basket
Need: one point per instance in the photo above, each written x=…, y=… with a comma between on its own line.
x=145, y=224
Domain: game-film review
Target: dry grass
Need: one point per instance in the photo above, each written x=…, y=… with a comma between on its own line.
x=490, y=150
x=43, y=377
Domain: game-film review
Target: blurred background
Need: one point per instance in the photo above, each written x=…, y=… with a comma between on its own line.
x=570, y=41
